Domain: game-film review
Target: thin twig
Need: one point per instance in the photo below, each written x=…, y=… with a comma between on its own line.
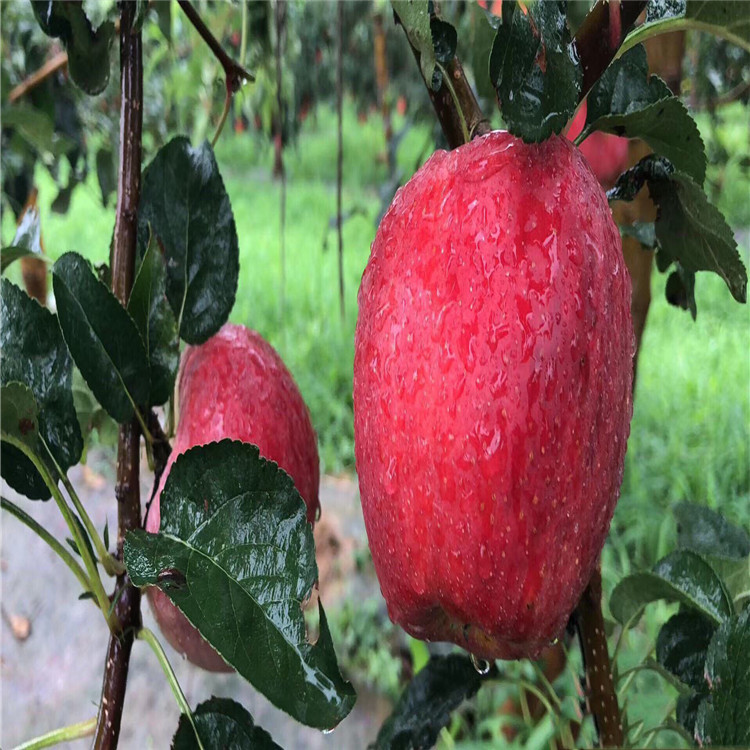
x=234, y=73
x=52, y=65
x=38, y=529
x=127, y=490
x=340, y=154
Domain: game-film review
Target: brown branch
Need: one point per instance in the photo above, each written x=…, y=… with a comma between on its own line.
x=234, y=73
x=52, y=65
x=600, y=689
x=447, y=113
x=162, y=450
x=600, y=35
x=127, y=597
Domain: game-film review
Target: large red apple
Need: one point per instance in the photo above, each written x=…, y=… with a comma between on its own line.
x=236, y=386
x=492, y=393
x=606, y=154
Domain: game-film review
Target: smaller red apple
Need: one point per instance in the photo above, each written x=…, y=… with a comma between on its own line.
x=235, y=386
x=606, y=154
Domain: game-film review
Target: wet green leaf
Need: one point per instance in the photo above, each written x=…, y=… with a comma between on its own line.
x=34, y=353
x=533, y=68
x=724, y=717
x=682, y=645
x=425, y=706
x=415, y=18
x=152, y=314
x=102, y=337
x=689, y=229
x=19, y=414
x=88, y=49
x=235, y=527
x=222, y=723
x=626, y=101
x=682, y=576
x=707, y=532
x=185, y=202
x=680, y=290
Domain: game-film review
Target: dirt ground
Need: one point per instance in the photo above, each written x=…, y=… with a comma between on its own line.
x=52, y=646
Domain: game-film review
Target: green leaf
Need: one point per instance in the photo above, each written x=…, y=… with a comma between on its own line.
x=152, y=314
x=680, y=290
x=37, y=128
x=221, y=723
x=729, y=19
x=425, y=706
x=707, y=532
x=102, y=337
x=19, y=414
x=682, y=644
x=626, y=101
x=234, y=526
x=106, y=169
x=682, y=576
x=533, y=68
x=34, y=353
x=689, y=229
x=482, y=37
x=444, y=40
x=91, y=416
x=724, y=717
x=185, y=202
x=88, y=50
x=164, y=19
x=415, y=18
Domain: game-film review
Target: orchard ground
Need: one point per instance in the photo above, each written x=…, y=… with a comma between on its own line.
x=690, y=437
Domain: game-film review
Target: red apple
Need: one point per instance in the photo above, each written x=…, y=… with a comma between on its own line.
x=606, y=154
x=492, y=393
x=236, y=386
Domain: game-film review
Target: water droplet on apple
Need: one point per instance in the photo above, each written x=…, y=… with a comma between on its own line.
x=317, y=514
x=482, y=666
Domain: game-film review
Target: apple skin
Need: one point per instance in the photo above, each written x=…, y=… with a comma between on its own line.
x=236, y=386
x=606, y=154
x=492, y=393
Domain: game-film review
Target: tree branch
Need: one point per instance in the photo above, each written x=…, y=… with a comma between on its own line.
x=127, y=597
x=600, y=35
x=52, y=65
x=234, y=73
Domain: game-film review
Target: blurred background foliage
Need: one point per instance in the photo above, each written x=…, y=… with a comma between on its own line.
x=690, y=436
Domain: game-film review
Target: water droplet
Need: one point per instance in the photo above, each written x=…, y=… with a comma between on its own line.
x=329, y=731
x=317, y=514
x=482, y=666
x=554, y=642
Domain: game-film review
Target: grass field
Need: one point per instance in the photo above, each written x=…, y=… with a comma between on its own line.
x=690, y=432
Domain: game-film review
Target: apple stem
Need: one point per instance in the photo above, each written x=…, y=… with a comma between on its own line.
x=600, y=689
x=127, y=598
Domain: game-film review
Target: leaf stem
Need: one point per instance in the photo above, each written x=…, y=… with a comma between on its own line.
x=234, y=73
x=457, y=104
x=95, y=582
x=109, y=563
x=144, y=634
x=38, y=529
x=63, y=734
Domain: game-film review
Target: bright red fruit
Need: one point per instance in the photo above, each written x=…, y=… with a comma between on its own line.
x=236, y=386
x=607, y=154
x=492, y=393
